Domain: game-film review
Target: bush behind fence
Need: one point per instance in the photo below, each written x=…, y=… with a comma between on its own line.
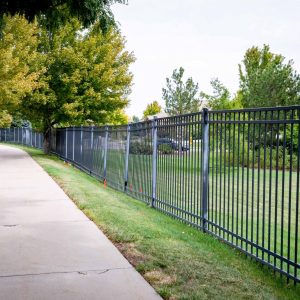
x=233, y=174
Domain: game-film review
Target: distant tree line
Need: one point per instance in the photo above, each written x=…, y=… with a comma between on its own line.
x=265, y=79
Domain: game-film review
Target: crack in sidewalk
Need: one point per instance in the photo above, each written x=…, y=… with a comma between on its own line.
x=45, y=222
x=81, y=272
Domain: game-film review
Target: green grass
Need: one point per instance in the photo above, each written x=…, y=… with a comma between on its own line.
x=179, y=261
x=257, y=204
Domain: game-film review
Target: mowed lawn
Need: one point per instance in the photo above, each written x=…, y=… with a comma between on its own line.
x=258, y=204
x=179, y=261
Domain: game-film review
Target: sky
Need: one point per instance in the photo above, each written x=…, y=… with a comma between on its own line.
x=208, y=38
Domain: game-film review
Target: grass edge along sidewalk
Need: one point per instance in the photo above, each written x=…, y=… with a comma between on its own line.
x=180, y=262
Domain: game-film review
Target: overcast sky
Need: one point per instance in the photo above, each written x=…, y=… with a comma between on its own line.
x=208, y=38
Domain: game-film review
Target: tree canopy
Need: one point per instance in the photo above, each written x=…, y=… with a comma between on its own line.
x=152, y=109
x=220, y=98
x=19, y=64
x=266, y=80
x=57, y=12
x=180, y=97
x=83, y=78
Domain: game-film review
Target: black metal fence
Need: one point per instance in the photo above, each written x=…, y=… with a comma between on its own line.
x=21, y=135
x=234, y=174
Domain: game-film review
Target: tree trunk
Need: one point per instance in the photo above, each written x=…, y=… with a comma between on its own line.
x=47, y=141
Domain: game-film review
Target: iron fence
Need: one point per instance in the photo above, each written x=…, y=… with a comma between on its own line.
x=22, y=135
x=234, y=174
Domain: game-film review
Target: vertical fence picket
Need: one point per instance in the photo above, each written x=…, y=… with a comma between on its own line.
x=73, y=144
x=126, y=158
x=66, y=138
x=105, y=153
x=81, y=144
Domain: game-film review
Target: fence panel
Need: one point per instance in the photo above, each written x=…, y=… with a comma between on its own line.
x=139, y=180
x=116, y=149
x=98, y=152
x=24, y=136
x=179, y=167
x=254, y=184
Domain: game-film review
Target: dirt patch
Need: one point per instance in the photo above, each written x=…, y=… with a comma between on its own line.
x=157, y=276
x=129, y=250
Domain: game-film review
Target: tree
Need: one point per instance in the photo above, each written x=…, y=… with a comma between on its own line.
x=180, y=97
x=117, y=117
x=152, y=109
x=55, y=13
x=5, y=119
x=19, y=64
x=135, y=119
x=265, y=80
x=221, y=98
x=74, y=78
x=87, y=79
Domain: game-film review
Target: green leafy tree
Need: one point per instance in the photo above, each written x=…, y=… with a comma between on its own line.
x=152, y=109
x=20, y=67
x=135, y=119
x=19, y=121
x=180, y=97
x=56, y=13
x=117, y=117
x=87, y=79
x=266, y=80
x=5, y=119
x=221, y=98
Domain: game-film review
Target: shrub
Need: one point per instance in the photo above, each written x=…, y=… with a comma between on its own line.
x=140, y=148
x=165, y=149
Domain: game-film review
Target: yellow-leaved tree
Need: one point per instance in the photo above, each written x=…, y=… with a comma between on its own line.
x=65, y=77
x=19, y=65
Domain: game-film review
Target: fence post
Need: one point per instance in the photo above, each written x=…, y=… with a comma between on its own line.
x=127, y=158
x=205, y=165
x=91, y=153
x=66, y=152
x=105, y=152
x=154, y=157
x=73, y=146
x=81, y=137
x=31, y=137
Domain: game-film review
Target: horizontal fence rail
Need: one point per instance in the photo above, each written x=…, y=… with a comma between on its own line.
x=234, y=173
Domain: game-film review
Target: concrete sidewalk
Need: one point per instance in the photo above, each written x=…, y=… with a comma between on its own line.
x=48, y=248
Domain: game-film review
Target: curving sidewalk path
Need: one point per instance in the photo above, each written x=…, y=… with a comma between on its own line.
x=48, y=248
